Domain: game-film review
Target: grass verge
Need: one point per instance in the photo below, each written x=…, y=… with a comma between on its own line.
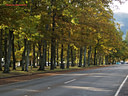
x=31, y=71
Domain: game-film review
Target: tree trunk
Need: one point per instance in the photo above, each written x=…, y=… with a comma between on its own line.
x=48, y=57
x=23, y=55
x=68, y=54
x=13, y=52
x=91, y=59
x=68, y=51
x=45, y=52
x=43, y=58
x=53, y=38
x=27, y=61
x=106, y=60
x=75, y=56
x=5, y=48
x=18, y=42
x=41, y=61
x=37, y=61
x=40, y=56
x=100, y=60
x=62, y=64
x=57, y=54
x=95, y=56
x=89, y=54
x=34, y=57
x=72, y=59
x=80, y=60
x=52, y=54
x=9, y=43
x=1, y=35
x=84, y=57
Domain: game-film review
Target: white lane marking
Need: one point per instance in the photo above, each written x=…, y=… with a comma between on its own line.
x=69, y=81
x=121, y=86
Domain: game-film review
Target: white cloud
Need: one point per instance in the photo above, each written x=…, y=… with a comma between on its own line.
x=117, y=7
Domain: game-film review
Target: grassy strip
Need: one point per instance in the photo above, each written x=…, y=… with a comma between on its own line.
x=31, y=71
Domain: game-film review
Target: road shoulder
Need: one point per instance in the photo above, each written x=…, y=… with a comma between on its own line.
x=20, y=78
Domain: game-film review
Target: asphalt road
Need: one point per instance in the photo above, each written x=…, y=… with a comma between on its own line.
x=96, y=82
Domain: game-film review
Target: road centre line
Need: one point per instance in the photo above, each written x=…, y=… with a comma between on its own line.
x=117, y=93
x=69, y=81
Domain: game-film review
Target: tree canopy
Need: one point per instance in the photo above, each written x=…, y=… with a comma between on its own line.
x=67, y=27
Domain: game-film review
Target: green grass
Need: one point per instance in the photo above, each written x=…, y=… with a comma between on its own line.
x=18, y=71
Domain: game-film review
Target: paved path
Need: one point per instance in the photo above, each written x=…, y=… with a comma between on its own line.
x=96, y=82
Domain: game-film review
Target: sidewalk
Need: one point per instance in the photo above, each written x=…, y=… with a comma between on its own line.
x=124, y=90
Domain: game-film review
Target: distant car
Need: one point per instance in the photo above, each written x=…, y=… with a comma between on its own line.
x=122, y=62
x=118, y=63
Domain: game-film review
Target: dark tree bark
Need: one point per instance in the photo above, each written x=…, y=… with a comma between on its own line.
x=100, y=60
x=5, y=47
x=13, y=52
x=89, y=54
x=23, y=54
x=45, y=52
x=18, y=1
x=34, y=57
x=41, y=60
x=72, y=58
x=68, y=56
x=80, y=60
x=84, y=57
x=68, y=52
x=48, y=57
x=9, y=43
x=62, y=64
x=27, y=61
x=14, y=2
x=18, y=42
x=106, y=60
x=95, y=56
x=53, y=38
x=40, y=55
x=1, y=35
x=57, y=54
x=52, y=53
x=91, y=59
x=37, y=61
x=55, y=58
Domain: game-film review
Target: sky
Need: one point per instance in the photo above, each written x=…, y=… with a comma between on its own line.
x=121, y=7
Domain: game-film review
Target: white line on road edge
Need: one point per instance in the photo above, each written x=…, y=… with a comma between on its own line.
x=121, y=86
x=69, y=81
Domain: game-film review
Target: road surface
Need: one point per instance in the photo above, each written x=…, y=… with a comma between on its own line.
x=96, y=82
